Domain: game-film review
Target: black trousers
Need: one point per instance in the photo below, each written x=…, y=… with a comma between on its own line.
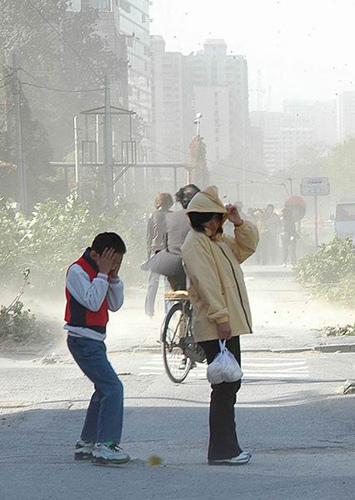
x=223, y=441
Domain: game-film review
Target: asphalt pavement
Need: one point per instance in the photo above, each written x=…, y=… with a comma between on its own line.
x=291, y=412
x=290, y=415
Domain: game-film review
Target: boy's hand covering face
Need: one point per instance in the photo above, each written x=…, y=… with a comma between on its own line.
x=105, y=260
x=116, y=265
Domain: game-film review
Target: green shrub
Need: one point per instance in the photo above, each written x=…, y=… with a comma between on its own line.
x=13, y=227
x=18, y=325
x=339, y=331
x=330, y=272
x=55, y=235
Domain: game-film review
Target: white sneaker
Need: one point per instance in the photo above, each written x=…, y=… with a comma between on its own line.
x=109, y=453
x=83, y=450
x=241, y=459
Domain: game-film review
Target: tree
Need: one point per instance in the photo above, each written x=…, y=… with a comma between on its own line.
x=337, y=163
x=48, y=60
x=339, y=166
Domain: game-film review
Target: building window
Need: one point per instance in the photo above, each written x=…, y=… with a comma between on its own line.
x=74, y=5
x=103, y=5
x=144, y=18
x=125, y=6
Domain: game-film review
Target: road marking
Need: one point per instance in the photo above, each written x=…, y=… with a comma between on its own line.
x=253, y=368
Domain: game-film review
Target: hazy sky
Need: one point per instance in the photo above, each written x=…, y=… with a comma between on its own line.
x=304, y=48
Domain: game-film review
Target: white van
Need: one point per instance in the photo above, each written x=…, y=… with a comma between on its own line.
x=345, y=220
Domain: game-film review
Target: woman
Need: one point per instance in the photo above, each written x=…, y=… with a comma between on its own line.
x=220, y=303
x=156, y=236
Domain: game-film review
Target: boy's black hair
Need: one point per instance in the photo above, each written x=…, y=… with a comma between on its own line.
x=199, y=218
x=108, y=240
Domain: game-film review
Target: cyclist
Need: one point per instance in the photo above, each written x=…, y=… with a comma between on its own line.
x=156, y=235
x=169, y=261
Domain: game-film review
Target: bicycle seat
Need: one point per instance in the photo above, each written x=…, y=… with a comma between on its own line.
x=177, y=295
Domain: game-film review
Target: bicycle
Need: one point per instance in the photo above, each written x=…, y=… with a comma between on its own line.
x=179, y=349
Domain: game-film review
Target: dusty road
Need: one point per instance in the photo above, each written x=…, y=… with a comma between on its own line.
x=290, y=414
x=301, y=432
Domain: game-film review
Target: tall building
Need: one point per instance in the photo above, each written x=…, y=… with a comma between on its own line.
x=108, y=27
x=294, y=141
x=124, y=24
x=270, y=124
x=213, y=103
x=347, y=115
x=214, y=68
x=171, y=104
x=320, y=115
x=303, y=124
x=134, y=26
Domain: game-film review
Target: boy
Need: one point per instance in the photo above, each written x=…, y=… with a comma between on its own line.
x=92, y=288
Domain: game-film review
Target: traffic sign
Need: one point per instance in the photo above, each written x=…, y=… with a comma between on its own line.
x=315, y=186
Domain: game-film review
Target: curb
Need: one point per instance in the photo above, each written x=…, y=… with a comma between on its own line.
x=335, y=348
x=267, y=274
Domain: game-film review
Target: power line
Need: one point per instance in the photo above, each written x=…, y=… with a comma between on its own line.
x=221, y=163
x=6, y=76
x=53, y=89
x=87, y=63
x=40, y=84
x=5, y=84
x=250, y=181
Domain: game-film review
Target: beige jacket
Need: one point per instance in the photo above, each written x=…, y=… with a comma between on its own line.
x=217, y=290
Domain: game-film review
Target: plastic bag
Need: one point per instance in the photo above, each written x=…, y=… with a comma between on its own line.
x=224, y=367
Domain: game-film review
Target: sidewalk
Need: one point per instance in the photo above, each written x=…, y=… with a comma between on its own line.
x=285, y=317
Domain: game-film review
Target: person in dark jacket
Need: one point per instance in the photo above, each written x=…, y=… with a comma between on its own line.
x=289, y=236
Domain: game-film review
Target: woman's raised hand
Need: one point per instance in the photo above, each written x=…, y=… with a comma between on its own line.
x=233, y=215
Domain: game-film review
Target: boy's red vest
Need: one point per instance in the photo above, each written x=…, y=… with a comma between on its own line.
x=78, y=315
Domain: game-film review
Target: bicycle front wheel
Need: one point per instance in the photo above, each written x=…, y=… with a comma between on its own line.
x=177, y=365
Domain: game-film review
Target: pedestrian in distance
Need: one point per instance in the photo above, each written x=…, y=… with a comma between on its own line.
x=262, y=252
x=289, y=237
x=220, y=306
x=272, y=221
x=92, y=289
x=156, y=242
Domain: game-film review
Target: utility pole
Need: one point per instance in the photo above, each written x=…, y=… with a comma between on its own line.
x=316, y=235
x=77, y=158
x=19, y=134
x=108, y=146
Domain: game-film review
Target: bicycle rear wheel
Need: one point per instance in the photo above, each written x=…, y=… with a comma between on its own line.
x=177, y=365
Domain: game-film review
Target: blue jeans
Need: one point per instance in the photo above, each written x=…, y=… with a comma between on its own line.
x=104, y=417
